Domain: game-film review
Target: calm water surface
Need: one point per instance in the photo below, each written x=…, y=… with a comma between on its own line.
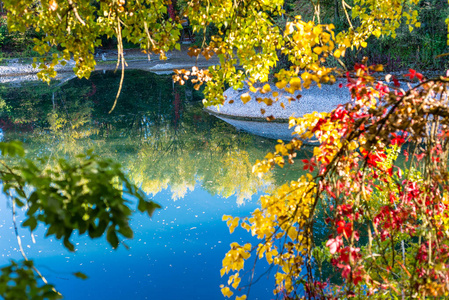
x=196, y=166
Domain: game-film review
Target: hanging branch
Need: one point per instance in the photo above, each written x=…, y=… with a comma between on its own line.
x=75, y=11
x=346, y=5
x=120, y=60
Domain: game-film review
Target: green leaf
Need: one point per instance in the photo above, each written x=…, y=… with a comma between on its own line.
x=80, y=275
x=12, y=149
x=30, y=222
x=151, y=207
x=18, y=202
x=112, y=238
x=68, y=245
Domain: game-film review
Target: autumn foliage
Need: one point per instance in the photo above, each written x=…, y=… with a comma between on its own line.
x=381, y=185
x=378, y=179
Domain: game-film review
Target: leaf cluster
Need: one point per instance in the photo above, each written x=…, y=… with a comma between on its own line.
x=18, y=281
x=88, y=196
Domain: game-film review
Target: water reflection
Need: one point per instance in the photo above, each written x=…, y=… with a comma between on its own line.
x=169, y=147
x=158, y=132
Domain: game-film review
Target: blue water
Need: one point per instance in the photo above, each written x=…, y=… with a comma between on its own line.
x=175, y=255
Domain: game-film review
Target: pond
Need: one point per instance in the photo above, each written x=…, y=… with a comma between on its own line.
x=197, y=167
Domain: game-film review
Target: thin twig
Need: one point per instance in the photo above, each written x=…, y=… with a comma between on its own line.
x=19, y=242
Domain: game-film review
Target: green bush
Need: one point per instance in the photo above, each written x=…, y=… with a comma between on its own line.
x=16, y=43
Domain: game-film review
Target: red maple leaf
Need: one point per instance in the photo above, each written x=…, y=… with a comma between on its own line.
x=412, y=74
x=309, y=164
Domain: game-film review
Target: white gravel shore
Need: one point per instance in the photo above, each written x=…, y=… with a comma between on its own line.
x=322, y=99
x=248, y=117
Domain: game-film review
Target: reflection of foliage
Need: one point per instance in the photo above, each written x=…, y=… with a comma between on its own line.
x=17, y=281
x=234, y=172
x=25, y=104
x=86, y=196
x=158, y=149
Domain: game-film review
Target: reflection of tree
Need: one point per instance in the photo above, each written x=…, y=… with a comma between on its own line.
x=162, y=141
x=234, y=171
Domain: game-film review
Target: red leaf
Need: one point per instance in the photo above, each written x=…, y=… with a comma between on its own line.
x=396, y=81
x=412, y=74
x=420, y=156
x=406, y=155
x=334, y=244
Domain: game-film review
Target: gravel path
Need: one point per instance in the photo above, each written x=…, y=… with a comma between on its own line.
x=15, y=71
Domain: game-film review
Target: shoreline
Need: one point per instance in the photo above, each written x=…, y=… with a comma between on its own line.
x=15, y=71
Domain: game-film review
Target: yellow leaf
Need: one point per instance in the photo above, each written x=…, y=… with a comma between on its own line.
x=325, y=37
x=236, y=281
x=267, y=88
x=245, y=98
x=289, y=28
x=233, y=224
x=379, y=68
x=292, y=233
x=363, y=44
x=295, y=83
x=281, y=84
x=377, y=33
x=226, y=217
x=268, y=101
x=246, y=226
x=241, y=297
x=337, y=53
x=275, y=94
x=226, y=292
x=318, y=50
